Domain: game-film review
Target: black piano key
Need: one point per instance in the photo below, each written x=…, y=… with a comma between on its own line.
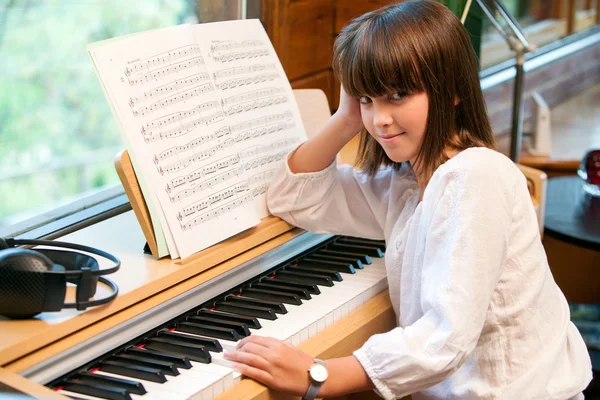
x=147, y=374
x=365, y=259
x=342, y=264
x=250, y=321
x=208, y=330
x=90, y=389
x=241, y=328
x=287, y=298
x=305, y=277
x=166, y=368
x=366, y=250
x=310, y=288
x=194, y=352
x=244, y=309
x=301, y=293
x=334, y=275
x=179, y=362
x=369, y=242
x=210, y=343
x=276, y=306
x=129, y=385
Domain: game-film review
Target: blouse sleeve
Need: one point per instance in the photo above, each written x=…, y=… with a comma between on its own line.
x=337, y=200
x=467, y=222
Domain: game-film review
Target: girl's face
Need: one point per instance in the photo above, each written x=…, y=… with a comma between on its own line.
x=397, y=122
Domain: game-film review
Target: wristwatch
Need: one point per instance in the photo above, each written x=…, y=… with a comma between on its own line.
x=317, y=374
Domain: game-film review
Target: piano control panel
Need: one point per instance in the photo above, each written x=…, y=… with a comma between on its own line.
x=183, y=357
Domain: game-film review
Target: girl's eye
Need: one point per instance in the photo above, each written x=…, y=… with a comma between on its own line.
x=364, y=100
x=398, y=95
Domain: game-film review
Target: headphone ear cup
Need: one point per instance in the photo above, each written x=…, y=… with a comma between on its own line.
x=26, y=287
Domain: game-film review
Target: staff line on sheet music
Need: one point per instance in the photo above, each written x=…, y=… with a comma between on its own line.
x=169, y=88
x=249, y=80
x=210, y=183
x=166, y=71
x=228, y=72
x=209, y=201
x=253, y=105
x=252, y=95
x=228, y=57
x=222, y=45
x=203, y=155
x=178, y=116
x=147, y=129
x=219, y=211
x=257, y=191
x=175, y=98
x=159, y=59
x=226, y=131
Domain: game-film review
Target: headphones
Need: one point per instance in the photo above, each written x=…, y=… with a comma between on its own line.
x=35, y=281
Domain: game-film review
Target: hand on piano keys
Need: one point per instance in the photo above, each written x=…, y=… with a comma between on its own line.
x=184, y=359
x=273, y=362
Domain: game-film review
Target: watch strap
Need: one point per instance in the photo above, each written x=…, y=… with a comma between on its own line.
x=313, y=387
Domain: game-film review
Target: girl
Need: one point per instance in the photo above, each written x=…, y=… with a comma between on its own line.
x=479, y=314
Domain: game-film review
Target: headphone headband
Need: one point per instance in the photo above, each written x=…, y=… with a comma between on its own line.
x=10, y=242
x=35, y=280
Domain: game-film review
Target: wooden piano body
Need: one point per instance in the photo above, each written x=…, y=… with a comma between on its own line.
x=146, y=283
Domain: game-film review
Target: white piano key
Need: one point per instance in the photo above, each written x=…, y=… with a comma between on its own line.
x=328, y=305
x=177, y=387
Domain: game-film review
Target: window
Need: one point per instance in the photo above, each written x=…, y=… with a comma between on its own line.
x=542, y=21
x=58, y=137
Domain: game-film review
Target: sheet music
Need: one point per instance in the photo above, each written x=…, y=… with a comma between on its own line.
x=209, y=115
x=256, y=96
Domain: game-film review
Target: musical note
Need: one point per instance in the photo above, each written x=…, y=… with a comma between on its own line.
x=162, y=73
x=203, y=173
x=229, y=72
x=250, y=80
x=201, y=155
x=256, y=150
x=161, y=59
x=253, y=95
x=267, y=130
x=169, y=88
x=231, y=45
x=217, y=212
x=206, y=202
x=173, y=151
x=169, y=101
x=253, y=105
x=262, y=189
x=178, y=117
x=240, y=55
x=261, y=161
x=267, y=119
x=262, y=177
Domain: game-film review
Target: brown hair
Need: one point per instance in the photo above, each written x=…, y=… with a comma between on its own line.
x=413, y=47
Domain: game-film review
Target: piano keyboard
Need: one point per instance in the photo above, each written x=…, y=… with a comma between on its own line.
x=183, y=357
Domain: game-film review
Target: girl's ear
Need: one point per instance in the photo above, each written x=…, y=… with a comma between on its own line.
x=456, y=100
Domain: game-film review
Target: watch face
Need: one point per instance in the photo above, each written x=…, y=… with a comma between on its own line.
x=318, y=373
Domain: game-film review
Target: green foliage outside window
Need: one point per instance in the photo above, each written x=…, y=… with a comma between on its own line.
x=57, y=134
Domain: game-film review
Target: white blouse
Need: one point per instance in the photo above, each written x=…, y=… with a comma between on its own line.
x=479, y=314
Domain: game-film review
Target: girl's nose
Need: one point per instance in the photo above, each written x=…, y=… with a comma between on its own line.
x=382, y=117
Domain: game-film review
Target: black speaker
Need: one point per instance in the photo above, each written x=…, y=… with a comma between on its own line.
x=35, y=281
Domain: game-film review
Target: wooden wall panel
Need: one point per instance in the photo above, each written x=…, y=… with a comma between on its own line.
x=307, y=31
x=349, y=9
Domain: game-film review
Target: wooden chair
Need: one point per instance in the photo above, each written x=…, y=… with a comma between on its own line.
x=314, y=110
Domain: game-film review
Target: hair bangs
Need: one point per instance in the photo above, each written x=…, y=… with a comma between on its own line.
x=370, y=61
